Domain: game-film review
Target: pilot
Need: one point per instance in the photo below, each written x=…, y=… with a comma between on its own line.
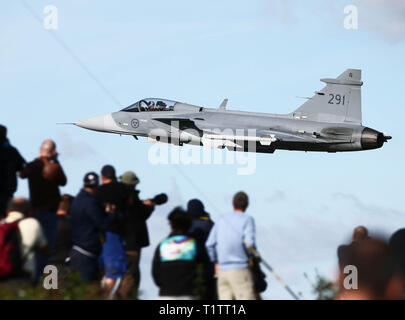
x=151, y=105
x=161, y=105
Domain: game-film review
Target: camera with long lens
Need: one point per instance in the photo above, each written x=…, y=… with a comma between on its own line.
x=159, y=199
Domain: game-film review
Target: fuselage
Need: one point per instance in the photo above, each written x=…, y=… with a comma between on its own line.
x=189, y=124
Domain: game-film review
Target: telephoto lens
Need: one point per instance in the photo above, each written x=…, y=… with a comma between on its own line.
x=160, y=199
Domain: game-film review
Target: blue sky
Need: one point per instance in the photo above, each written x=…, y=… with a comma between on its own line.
x=259, y=54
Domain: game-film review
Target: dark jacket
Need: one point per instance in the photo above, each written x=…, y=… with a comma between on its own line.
x=44, y=178
x=175, y=265
x=63, y=244
x=88, y=221
x=10, y=162
x=201, y=224
x=201, y=227
x=114, y=193
x=136, y=232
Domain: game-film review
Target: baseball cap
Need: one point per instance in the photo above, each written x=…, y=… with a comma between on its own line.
x=129, y=178
x=108, y=171
x=90, y=179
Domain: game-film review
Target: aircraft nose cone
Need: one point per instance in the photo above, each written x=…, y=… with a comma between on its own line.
x=99, y=123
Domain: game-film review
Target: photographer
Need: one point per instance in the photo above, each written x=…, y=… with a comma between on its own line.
x=45, y=175
x=136, y=232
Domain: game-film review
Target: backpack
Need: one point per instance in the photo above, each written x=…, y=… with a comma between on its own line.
x=10, y=255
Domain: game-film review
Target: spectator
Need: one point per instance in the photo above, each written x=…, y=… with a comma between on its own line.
x=136, y=233
x=176, y=260
x=375, y=277
x=88, y=221
x=10, y=163
x=226, y=247
x=113, y=197
x=359, y=233
x=113, y=260
x=201, y=225
x=397, y=245
x=112, y=192
x=32, y=238
x=45, y=175
x=63, y=244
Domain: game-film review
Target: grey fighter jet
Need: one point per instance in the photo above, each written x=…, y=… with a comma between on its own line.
x=329, y=121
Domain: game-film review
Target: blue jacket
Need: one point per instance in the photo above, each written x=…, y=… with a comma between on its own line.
x=225, y=241
x=88, y=220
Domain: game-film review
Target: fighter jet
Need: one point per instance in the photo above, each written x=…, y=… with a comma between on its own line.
x=329, y=121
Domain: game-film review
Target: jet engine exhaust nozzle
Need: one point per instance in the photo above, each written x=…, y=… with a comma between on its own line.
x=372, y=139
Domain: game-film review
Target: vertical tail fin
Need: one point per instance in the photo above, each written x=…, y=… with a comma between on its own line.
x=338, y=101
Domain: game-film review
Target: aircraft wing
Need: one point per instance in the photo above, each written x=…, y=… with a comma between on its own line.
x=216, y=138
x=267, y=137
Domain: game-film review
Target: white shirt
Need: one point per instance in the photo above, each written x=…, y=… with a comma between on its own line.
x=32, y=239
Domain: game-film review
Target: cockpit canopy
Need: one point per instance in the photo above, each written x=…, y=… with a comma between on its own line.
x=151, y=104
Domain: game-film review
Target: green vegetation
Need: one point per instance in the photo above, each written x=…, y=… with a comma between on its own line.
x=69, y=288
x=323, y=288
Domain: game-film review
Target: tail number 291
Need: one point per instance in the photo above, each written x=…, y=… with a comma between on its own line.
x=336, y=99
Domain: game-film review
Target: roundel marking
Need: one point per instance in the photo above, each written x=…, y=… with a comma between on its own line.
x=134, y=123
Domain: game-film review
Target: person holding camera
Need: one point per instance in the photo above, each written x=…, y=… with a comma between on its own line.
x=136, y=232
x=45, y=175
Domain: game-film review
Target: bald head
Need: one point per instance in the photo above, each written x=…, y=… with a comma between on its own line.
x=360, y=233
x=47, y=149
x=20, y=205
